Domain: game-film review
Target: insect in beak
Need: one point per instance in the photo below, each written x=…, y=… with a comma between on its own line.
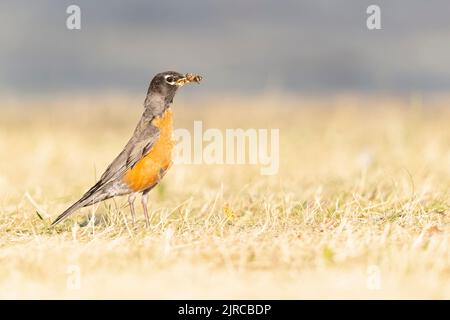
x=189, y=77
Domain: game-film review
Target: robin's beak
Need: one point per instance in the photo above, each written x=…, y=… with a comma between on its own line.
x=188, y=77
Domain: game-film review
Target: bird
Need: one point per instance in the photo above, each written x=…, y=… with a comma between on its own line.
x=147, y=156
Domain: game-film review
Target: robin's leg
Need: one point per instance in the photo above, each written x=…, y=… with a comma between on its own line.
x=144, y=205
x=131, y=199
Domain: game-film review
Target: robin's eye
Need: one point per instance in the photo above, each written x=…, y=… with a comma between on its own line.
x=170, y=80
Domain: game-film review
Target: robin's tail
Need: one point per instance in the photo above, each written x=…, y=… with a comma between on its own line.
x=93, y=195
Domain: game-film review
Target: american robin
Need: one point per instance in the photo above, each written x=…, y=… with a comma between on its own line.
x=148, y=154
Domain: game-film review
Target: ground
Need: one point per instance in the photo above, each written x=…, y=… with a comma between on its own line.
x=359, y=208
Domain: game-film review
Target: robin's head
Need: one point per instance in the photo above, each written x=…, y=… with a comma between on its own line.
x=165, y=84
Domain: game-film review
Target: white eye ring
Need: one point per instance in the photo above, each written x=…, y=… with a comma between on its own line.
x=169, y=82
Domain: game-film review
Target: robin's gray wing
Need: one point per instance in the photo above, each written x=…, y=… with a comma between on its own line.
x=137, y=147
x=140, y=144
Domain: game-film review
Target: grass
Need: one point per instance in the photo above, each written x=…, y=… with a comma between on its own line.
x=360, y=207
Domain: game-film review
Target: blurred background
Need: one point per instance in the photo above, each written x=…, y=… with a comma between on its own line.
x=243, y=47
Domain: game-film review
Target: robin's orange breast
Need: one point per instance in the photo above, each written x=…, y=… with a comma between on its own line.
x=148, y=171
